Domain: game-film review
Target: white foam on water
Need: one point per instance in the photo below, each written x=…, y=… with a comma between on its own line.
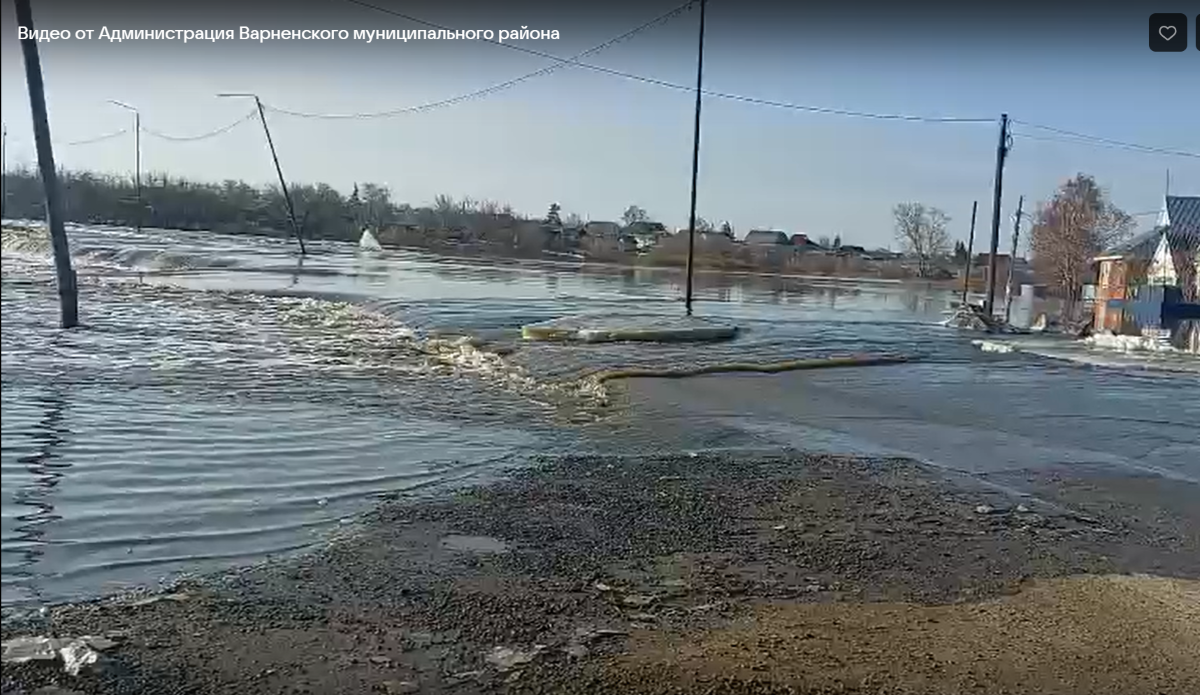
x=993, y=346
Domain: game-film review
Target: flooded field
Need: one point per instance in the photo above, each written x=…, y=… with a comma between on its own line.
x=226, y=400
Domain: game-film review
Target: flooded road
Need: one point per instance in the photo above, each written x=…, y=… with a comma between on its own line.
x=226, y=401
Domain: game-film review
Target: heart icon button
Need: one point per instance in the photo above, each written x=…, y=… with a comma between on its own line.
x=1167, y=33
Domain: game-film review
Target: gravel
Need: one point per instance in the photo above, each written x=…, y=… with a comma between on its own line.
x=599, y=574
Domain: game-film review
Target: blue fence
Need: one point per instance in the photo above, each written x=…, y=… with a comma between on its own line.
x=1157, y=308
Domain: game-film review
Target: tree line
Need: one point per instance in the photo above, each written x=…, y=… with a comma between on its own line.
x=172, y=202
x=1077, y=222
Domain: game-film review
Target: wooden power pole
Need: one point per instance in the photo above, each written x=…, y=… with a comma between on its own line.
x=287, y=195
x=695, y=166
x=997, y=194
x=67, y=290
x=1012, y=260
x=970, y=250
x=3, y=169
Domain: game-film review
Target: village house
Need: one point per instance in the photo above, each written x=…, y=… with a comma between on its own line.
x=1165, y=257
x=802, y=242
x=602, y=230
x=980, y=266
x=646, y=235
x=767, y=237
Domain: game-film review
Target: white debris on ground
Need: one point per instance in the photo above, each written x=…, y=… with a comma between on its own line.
x=508, y=658
x=1129, y=343
x=75, y=653
x=974, y=318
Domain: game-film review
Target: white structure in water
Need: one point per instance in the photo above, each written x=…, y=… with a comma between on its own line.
x=368, y=242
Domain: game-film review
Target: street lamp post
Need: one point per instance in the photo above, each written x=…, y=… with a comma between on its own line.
x=137, y=156
x=287, y=196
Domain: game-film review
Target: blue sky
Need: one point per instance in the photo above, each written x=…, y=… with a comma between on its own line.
x=596, y=143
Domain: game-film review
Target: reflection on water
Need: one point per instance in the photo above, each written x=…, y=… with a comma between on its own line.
x=46, y=471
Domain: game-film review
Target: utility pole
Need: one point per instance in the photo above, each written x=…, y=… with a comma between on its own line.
x=1012, y=260
x=695, y=165
x=1001, y=153
x=970, y=250
x=287, y=196
x=137, y=157
x=67, y=291
x=3, y=169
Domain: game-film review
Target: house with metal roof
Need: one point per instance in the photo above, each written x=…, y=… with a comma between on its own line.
x=768, y=237
x=1164, y=257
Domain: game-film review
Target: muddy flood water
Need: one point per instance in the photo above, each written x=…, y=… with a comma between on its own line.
x=227, y=401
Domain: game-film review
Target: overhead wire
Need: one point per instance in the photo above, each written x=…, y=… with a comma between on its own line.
x=1066, y=136
x=99, y=138
x=562, y=63
x=203, y=136
x=571, y=62
x=1069, y=136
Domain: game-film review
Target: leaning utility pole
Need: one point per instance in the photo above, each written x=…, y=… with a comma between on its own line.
x=695, y=165
x=287, y=196
x=970, y=250
x=67, y=290
x=1012, y=260
x=1001, y=152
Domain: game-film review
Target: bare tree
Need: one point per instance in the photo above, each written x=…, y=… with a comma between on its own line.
x=634, y=214
x=921, y=232
x=572, y=220
x=703, y=225
x=824, y=241
x=1070, y=230
x=445, y=208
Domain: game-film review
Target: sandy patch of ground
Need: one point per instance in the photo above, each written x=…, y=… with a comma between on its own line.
x=1089, y=635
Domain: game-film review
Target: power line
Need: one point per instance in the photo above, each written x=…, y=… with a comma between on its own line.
x=99, y=138
x=661, y=19
x=1083, y=138
x=685, y=88
x=203, y=136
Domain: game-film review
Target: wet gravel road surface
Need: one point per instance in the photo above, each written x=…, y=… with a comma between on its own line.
x=731, y=573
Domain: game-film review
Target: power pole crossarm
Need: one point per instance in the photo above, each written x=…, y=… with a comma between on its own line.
x=64, y=274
